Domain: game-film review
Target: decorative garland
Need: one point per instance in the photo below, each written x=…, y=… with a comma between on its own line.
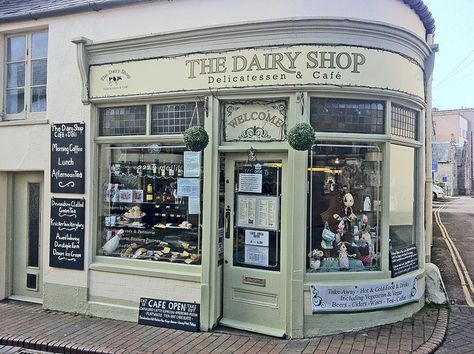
x=301, y=137
x=196, y=138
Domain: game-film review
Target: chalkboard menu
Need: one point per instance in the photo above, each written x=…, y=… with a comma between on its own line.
x=67, y=157
x=66, y=244
x=169, y=314
x=403, y=260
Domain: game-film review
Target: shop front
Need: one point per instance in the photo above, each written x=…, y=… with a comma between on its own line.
x=241, y=227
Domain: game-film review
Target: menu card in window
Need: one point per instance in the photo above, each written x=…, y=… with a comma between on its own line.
x=192, y=164
x=246, y=209
x=267, y=212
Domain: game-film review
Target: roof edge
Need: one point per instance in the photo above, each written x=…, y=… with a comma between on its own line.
x=89, y=6
x=423, y=13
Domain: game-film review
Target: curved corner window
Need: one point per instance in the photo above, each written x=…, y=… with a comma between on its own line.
x=150, y=203
x=344, y=207
x=402, y=196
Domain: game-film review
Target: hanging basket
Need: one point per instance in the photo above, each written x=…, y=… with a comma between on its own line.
x=301, y=137
x=196, y=138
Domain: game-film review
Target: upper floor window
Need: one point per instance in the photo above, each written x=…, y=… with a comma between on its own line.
x=26, y=73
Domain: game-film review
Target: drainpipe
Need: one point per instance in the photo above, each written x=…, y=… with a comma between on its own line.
x=429, y=66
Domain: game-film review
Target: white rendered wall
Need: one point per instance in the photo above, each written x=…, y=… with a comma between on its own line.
x=27, y=147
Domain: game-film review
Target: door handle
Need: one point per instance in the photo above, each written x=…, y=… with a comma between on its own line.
x=227, y=223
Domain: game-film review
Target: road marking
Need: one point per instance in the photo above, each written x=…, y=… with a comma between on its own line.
x=464, y=278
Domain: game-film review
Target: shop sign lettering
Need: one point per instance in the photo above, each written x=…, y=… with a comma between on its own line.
x=67, y=233
x=255, y=121
x=67, y=157
x=363, y=297
x=254, y=67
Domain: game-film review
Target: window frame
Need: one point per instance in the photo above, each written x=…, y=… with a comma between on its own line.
x=385, y=140
x=167, y=270
x=26, y=113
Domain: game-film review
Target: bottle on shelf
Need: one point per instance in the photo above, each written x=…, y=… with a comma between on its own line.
x=149, y=193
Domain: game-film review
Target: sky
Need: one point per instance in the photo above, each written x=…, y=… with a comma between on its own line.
x=453, y=79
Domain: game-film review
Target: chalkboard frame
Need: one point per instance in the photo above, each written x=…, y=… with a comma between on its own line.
x=411, y=258
x=69, y=148
x=67, y=231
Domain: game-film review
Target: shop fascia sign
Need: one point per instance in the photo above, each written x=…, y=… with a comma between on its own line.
x=274, y=66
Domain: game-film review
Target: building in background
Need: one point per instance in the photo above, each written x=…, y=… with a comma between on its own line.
x=456, y=126
x=105, y=211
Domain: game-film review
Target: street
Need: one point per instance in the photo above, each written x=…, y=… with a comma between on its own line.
x=453, y=225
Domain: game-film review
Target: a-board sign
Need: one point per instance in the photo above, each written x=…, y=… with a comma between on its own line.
x=66, y=244
x=403, y=260
x=67, y=157
x=169, y=314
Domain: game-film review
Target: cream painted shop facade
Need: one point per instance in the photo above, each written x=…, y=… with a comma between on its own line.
x=106, y=211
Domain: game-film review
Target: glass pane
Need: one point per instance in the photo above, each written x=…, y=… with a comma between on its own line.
x=33, y=223
x=404, y=122
x=38, y=68
x=15, y=101
x=344, y=207
x=402, y=196
x=38, y=99
x=16, y=75
x=151, y=203
x=176, y=118
x=347, y=116
x=119, y=121
x=16, y=48
x=39, y=45
x=257, y=215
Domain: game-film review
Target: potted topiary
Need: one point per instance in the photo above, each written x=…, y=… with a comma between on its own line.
x=196, y=138
x=301, y=137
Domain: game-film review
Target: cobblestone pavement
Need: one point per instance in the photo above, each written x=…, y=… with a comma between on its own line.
x=460, y=337
x=27, y=325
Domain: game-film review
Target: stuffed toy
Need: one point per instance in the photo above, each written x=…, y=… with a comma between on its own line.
x=328, y=238
x=343, y=257
x=340, y=227
x=315, y=259
x=364, y=250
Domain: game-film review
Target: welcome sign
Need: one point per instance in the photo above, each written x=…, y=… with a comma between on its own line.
x=255, y=121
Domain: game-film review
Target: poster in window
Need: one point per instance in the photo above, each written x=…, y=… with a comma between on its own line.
x=250, y=182
x=192, y=164
x=246, y=210
x=257, y=255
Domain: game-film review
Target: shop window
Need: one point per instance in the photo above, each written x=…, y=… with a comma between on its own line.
x=120, y=121
x=151, y=202
x=176, y=118
x=344, y=207
x=404, y=122
x=347, y=116
x=26, y=71
x=402, y=196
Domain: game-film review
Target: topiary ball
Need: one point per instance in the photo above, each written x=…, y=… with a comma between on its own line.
x=301, y=137
x=196, y=138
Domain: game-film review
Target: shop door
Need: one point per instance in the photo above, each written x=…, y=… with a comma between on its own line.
x=254, y=290
x=26, y=236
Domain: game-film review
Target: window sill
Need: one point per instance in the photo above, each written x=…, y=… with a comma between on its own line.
x=14, y=122
x=148, y=268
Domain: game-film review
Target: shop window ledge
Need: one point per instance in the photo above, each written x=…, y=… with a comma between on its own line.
x=167, y=271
